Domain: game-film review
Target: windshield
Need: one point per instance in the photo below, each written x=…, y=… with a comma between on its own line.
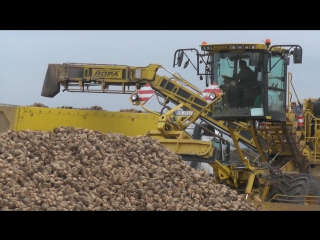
x=239, y=76
x=227, y=64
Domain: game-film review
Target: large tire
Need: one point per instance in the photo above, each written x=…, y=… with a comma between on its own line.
x=295, y=185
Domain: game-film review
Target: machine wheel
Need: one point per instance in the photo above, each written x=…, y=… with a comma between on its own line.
x=304, y=185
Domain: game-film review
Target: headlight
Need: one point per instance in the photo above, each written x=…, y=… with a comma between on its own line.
x=135, y=97
x=212, y=96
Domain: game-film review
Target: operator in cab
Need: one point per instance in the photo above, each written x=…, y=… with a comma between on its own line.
x=233, y=89
x=246, y=77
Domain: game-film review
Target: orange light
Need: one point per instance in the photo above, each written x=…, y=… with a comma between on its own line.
x=204, y=43
x=268, y=42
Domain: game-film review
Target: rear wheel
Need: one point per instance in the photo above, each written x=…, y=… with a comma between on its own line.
x=299, y=189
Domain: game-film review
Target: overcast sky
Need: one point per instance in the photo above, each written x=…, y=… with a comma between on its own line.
x=25, y=56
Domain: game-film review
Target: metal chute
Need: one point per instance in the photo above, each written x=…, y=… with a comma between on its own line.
x=51, y=86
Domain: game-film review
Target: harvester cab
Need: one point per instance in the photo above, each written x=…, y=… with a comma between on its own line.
x=259, y=96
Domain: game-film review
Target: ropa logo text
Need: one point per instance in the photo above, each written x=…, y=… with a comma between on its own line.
x=107, y=73
x=219, y=47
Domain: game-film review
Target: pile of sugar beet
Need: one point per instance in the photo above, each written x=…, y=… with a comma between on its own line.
x=73, y=169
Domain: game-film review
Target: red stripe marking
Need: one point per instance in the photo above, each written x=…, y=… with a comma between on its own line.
x=146, y=92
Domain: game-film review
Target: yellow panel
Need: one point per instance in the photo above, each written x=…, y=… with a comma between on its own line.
x=46, y=119
x=127, y=123
x=188, y=146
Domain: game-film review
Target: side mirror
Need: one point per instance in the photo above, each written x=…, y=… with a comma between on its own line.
x=180, y=58
x=297, y=55
x=286, y=61
x=186, y=64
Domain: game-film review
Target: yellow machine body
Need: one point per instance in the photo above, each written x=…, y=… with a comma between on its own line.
x=284, y=145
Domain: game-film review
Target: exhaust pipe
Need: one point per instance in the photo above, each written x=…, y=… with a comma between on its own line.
x=51, y=86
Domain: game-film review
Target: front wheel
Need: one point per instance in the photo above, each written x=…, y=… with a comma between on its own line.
x=300, y=188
